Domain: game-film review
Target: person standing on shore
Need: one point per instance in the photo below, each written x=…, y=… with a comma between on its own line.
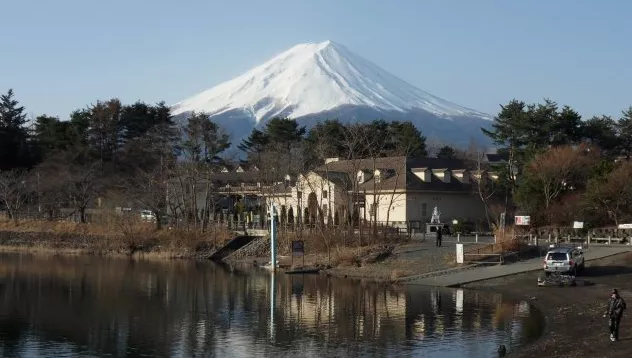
x=439, y=236
x=616, y=306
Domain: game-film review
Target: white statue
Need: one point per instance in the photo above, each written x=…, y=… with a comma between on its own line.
x=435, y=216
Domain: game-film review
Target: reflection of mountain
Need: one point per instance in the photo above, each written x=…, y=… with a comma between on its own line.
x=93, y=306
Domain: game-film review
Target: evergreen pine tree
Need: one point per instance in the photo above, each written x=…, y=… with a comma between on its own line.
x=602, y=132
x=14, y=135
x=446, y=152
x=407, y=140
x=624, y=131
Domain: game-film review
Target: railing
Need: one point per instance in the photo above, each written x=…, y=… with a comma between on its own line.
x=496, y=250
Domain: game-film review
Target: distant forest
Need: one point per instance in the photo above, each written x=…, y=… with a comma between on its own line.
x=109, y=146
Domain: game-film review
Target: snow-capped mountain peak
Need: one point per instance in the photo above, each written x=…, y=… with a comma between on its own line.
x=317, y=77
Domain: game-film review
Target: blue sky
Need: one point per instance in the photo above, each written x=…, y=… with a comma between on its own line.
x=65, y=54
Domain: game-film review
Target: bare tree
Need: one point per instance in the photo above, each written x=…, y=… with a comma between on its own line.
x=84, y=186
x=486, y=188
x=51, y=182
x=13, y=191
x=558, y=168
x=613, y=194
x=354, y=142
x=148, y=189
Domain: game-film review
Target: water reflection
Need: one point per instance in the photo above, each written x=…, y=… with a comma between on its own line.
x=86, y=306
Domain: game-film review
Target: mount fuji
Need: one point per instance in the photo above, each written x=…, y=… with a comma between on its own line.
x=317, y=81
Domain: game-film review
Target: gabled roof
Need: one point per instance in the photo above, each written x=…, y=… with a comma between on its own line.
x=401, y=173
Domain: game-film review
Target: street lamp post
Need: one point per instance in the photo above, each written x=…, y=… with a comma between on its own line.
x=455, y=222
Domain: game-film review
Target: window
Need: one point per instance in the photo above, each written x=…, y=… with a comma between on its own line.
x=557, y=256
x=325, y=194
x=372, y=210
x=299, y=195
x=424, y=209
x=325, y=208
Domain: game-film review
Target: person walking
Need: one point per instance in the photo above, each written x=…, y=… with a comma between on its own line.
x=614, y=311
x=439, y=236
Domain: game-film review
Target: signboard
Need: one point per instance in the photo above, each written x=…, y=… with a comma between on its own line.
x=578, y=225
x=298, y=247
x=523, y=220
x=459, y=254
x=625, y=226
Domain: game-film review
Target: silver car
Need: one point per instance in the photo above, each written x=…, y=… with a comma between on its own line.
x=565, y=260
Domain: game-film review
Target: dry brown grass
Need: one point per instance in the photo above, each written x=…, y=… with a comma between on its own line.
x=322, y=240
x=345, y=256
x=450, y=260
x=508, y=240
x=110, y=226
x=113, y=236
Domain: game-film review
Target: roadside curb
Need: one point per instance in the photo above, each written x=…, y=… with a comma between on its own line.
x=437, y=273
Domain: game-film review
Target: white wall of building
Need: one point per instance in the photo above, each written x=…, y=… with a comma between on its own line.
x=328, y=195
x=389, y=207
x=397, y=208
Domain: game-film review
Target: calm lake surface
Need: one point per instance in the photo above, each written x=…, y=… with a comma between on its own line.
x=64, y=306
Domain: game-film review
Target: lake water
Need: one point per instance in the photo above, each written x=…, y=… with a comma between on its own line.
x=66, y=306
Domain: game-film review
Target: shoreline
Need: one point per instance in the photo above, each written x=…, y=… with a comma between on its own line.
x=571, y=314
x=139, y=246
x=573, y=325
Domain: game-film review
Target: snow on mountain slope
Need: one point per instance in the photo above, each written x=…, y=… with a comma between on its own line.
x=313, y=78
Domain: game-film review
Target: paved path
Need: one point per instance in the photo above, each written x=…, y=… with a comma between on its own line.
x=456, y=277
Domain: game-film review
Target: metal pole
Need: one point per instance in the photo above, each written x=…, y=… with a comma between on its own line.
x=272, y=305
x=273, y=260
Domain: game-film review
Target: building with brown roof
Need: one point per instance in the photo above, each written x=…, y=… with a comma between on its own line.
x=394, y=191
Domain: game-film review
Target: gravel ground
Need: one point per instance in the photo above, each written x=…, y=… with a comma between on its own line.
x=575, y=327
x=407, y=260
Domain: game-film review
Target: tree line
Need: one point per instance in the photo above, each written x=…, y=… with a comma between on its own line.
x=134, y=153
x=560, y=167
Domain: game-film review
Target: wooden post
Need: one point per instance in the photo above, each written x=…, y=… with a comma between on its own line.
x=609, y=240
x=477, y=238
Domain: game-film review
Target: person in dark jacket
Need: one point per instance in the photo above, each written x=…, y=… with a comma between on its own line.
x=616, y=306
x=439, y=236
